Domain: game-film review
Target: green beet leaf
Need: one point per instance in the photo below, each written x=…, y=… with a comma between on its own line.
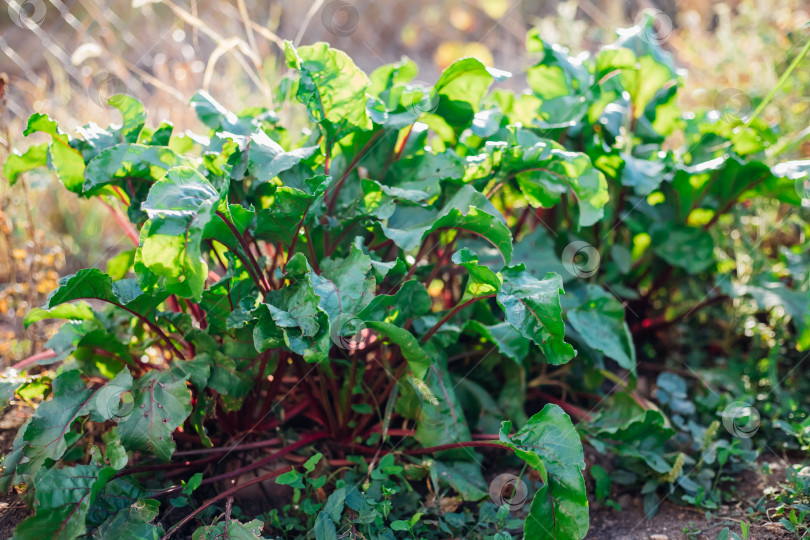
x=417, y=359
x=231, y=529
x=345, y=285
x=76, y=311
x=45, y=436
x=545, y=172
x=133, y=115
x=481, y=281
x=441, y=419
x=266, y=158
x=17, y=164
x=509, y=341
x=180, y=205
x=411, y=300
x=62, y=500
x=600, y=322
x=549, y=444
x=93, y=283
x=162, y=402
x=291, y=206
x=460, y=89
x=532, y=307
x=134, y=521
x=66, y=160
x=214, y=115
x=293, y=317
x=689, y=248
x=332, y=87
x=130, y=162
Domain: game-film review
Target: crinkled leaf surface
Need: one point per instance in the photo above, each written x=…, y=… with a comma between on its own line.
x=138, y=162
x=547, y=172
x=63, y=498
x=331, y=85
x=134, y=521
x=180, y=205
x=532, y=307
x=280, y=221
x=162, y=402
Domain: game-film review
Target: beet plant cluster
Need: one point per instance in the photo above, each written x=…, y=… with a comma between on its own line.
x=380, y=295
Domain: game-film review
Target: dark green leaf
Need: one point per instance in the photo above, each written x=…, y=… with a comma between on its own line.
x=509, y=341
x=532, y=307
x=324, y=527
x=600, y=322
x=550, y=444
x=280, y=221
x=134, y=521
x=230, y=530
x=93, y=283
x=136, y=162
x=441, y=419
x=417, y=359
x=689, y=248
x=162, y=402
x=410, y=301
x=463, y=476
x=63, y=498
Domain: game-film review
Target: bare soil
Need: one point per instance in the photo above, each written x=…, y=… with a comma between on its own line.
x=671, y=523
x=674, y=522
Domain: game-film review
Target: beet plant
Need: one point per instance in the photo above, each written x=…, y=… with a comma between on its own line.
x=391, y=279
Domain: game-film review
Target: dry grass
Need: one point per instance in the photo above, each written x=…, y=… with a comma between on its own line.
x=73, y=58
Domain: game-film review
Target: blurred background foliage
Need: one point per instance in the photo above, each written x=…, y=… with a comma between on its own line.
x=68, y=57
